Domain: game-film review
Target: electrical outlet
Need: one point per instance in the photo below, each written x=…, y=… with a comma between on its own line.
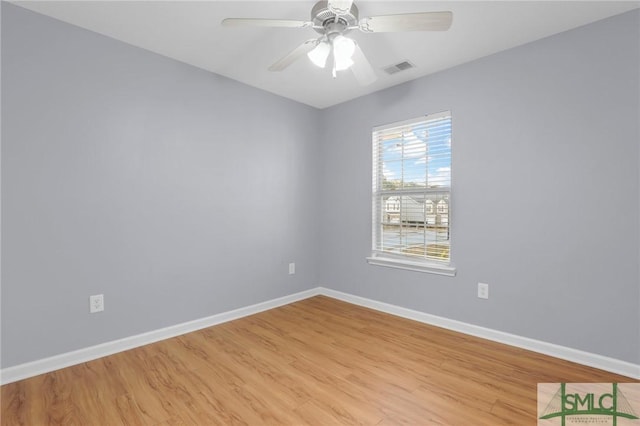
x=96, y=303
x=483, y=291
x=292, y=268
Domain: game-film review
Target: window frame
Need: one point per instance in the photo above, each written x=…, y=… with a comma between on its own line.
x=394, y=260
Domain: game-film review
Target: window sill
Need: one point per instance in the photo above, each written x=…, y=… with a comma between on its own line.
x=430, y=268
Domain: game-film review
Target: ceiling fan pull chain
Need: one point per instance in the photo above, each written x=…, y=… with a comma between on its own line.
x=333, y=60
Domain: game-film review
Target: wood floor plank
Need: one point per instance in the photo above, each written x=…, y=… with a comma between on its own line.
x=319, y=361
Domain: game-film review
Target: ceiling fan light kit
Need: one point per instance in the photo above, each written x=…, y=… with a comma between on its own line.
x=332, y=19
x=320, y=54
x=343, y=50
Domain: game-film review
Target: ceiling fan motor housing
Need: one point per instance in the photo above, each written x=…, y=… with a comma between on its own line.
x=323, y=18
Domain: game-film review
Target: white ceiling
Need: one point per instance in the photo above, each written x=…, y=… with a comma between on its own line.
x=190, y=31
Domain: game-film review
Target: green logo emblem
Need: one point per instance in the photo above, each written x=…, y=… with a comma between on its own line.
x=588, y=402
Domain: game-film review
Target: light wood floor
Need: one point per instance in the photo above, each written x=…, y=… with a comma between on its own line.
x=319, y=361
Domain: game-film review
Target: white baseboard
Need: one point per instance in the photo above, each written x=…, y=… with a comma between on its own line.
x=30, y=369
x=68, y=359
x=612, y=365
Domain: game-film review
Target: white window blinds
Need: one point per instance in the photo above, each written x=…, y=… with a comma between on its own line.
x=412, y=188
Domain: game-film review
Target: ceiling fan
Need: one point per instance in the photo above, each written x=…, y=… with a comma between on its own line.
x=333, y=19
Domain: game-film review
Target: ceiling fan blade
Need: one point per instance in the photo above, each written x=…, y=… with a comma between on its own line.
x=340, y=7
x=257, y=22
x=425, y=21
x=362, y=69
x=294, y=55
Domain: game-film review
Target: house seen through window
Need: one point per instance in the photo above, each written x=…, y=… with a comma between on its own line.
x=412, y=189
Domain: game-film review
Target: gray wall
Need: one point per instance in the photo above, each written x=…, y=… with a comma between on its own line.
x=175, y=192
x=548, y=131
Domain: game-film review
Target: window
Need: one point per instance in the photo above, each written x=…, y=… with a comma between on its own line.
x=412, y=194
x=428, y=206
x=443, y=207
